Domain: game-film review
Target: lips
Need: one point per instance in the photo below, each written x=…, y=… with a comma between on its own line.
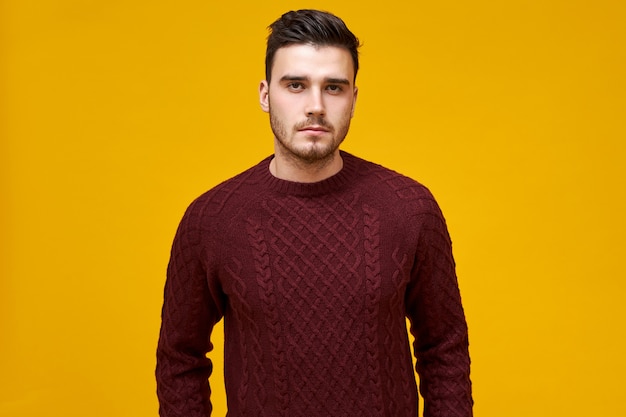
x=313, y=128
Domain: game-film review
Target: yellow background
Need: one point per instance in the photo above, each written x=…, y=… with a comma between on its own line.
x=115, y=114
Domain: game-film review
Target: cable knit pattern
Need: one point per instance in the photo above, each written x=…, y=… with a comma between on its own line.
x=400, y=381
x=251, y=387
x=267, y=292
x=371, y=245
x=314, y=282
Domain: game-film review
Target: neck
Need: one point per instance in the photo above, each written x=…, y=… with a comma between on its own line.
x=297, y=170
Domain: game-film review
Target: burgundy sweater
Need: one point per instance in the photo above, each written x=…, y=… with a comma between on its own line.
x=314, y=282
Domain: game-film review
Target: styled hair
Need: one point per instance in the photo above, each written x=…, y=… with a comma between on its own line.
x=309, y=27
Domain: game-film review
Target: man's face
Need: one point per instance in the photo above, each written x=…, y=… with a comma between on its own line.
x=310, y=100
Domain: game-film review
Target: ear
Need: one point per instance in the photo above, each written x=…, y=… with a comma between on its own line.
x=356, y=93
x=264, y=96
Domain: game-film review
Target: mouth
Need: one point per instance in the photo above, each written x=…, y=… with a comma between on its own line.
x=313, y=128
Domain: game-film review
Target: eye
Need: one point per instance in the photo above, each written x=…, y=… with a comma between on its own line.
x=334, y=88
x=295, y=86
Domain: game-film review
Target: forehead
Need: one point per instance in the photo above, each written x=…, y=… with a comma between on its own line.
x=313, y=61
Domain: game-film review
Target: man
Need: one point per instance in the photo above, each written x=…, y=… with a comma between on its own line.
x=314, y=258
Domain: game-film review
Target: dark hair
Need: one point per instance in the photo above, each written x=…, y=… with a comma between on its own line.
x=311, y=27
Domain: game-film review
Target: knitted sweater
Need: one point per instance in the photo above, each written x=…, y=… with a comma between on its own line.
x=314, y=282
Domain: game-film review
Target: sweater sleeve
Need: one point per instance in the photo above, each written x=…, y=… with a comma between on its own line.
x=438, y=323
x=191, y=308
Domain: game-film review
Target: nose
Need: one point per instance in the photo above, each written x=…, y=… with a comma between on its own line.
x=315, y=104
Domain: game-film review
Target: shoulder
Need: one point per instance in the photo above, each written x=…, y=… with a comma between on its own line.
x=392, y=187
x=227, y=196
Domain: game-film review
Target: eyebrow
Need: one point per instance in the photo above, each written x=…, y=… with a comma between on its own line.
x=343, y=81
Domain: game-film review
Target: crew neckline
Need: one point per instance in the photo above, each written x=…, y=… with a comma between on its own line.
x=330, y=184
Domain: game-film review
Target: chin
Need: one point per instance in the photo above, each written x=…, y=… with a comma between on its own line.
x=316, y=153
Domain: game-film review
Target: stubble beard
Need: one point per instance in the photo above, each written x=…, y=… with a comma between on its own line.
x=319, y=154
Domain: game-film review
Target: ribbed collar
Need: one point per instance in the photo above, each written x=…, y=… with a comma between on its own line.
x=345, y=176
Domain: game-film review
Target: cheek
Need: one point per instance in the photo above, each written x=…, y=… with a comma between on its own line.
x=280, y=105
x=342, y=110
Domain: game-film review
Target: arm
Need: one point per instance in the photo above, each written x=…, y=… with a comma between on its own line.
x=438, y=323
x=190, y=310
